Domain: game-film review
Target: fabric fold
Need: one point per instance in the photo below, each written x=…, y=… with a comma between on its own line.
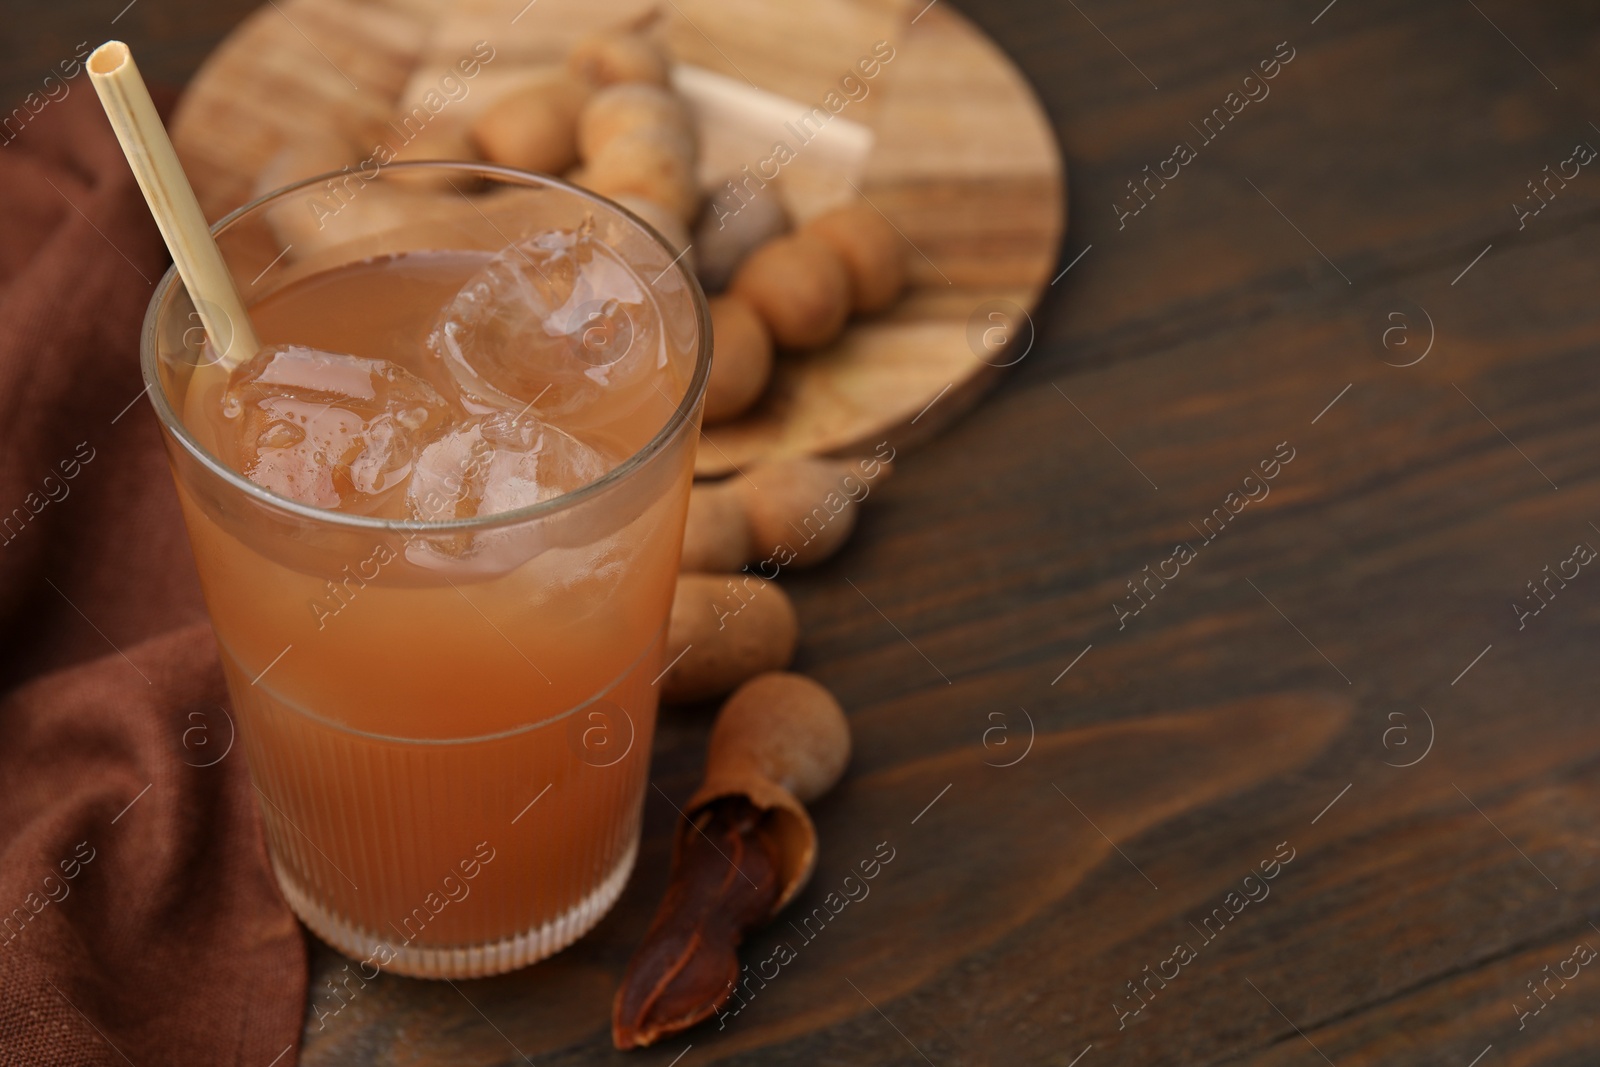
x=139, y=921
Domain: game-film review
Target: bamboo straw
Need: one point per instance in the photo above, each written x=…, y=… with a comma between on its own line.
x=172, y=201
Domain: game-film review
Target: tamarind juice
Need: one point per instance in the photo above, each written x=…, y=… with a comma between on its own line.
x=437, y=522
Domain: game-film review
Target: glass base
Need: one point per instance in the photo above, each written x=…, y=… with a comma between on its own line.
x=463, y=961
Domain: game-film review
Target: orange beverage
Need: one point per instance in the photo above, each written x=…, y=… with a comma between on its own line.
x=437, y=522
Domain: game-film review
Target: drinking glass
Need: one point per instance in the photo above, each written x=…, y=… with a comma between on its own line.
x=450, y=757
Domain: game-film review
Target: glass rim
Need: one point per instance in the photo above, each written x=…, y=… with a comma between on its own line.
x=680, y=417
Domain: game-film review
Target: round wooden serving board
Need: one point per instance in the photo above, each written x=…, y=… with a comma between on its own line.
x=946, y=140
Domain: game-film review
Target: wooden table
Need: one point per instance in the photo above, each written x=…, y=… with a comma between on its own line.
x=1333, y=682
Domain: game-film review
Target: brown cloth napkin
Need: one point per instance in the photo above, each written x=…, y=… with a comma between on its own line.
x=139, y=923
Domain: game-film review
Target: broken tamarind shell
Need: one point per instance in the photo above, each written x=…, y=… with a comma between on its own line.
x=779, y=742
x=745, y=849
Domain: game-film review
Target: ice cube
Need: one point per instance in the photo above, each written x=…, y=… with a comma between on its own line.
x=555, y=320
x=498, y=463
x=326, y=429
x=487, y=466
